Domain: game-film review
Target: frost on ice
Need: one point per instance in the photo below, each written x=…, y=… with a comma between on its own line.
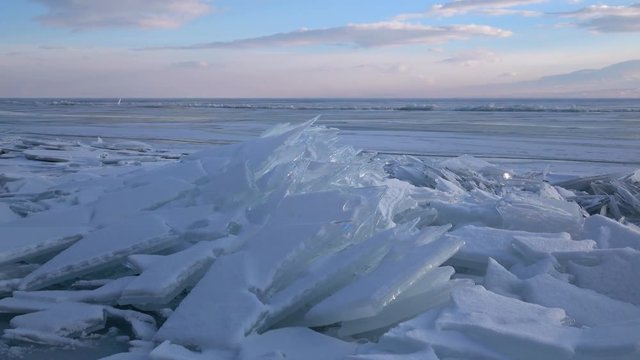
x=291, y=246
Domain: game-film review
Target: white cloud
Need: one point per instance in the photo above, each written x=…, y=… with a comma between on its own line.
x=89, y=14
x=472, y=58
x=607, y=18
x=485, y=7
x=363, y=35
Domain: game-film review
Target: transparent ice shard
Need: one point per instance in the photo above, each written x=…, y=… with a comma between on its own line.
x=430, y=292
x=369, y=294
x=101, y=249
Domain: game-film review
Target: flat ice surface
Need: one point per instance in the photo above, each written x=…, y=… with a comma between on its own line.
x=295, y=244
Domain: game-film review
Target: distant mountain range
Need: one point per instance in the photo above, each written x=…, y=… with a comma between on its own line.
x=617, y=80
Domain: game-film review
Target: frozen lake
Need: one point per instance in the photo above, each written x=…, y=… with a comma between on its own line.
x=386, y=229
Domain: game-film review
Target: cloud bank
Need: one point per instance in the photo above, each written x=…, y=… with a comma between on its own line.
x=90, y=14
x=484, y=7
x=363, y=35
x=607, y=18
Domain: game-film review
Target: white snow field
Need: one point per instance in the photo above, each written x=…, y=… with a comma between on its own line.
x=293, y=245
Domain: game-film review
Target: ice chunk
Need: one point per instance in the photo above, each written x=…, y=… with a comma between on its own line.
x=49, y=155
x=102, y=248
x=424, y=354
x=62, y=320
x=294, y=343
x=24, y=242
x=369, y=294
x=587, y=307
x=327, y=275
x=427, y=294
x=530, y=213
x=615, y=341
x=610, y=233
x=106, y=294
x=219, y=311
x=510, y=326
x=481, y=243
x=609, y=272
x=169, y=351
x=533, y=248
x=167, y=277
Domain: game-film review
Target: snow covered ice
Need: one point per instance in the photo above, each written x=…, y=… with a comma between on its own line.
x=292, y=245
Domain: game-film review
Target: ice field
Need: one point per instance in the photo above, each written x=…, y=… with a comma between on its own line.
x=446, y=231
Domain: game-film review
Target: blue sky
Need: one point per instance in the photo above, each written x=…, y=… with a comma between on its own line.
x=330, y=48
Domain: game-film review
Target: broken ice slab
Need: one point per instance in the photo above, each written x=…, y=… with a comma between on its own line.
x=142, y=325
x=101, y=249
x=609, y=233
x=126, y=201
x=412, y=336
x=168, y=351
x=108, y=293
x=618, y=341
x=131, y=145
x=527, y=212
x=168, y=276
x=370, y=293
x=509, y=326
x=294, y=343
x=586, y=307
x=67, y=320
x=327, y=275
x=220, y=310
x=482, y=243
x=24, y=242
x=612, y=272
x=49, y=155
x=428, y=293
x=533, y=248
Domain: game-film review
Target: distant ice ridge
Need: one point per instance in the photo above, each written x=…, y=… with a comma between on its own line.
x=290, y=246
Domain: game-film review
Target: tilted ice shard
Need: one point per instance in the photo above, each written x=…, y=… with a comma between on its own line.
x=369, y=294
x=23, y=242
x=102, y=248
x=60, y=320
x=166, y=277
x=220, y=310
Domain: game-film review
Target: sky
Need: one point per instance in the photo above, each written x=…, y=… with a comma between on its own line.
x=329, y=48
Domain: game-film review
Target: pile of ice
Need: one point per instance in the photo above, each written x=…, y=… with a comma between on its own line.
x=290, y=246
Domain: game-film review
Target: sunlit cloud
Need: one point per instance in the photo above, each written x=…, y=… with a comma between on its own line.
x=90, y=14
x=484, y=7
x=363, y=35
x=608, y=18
